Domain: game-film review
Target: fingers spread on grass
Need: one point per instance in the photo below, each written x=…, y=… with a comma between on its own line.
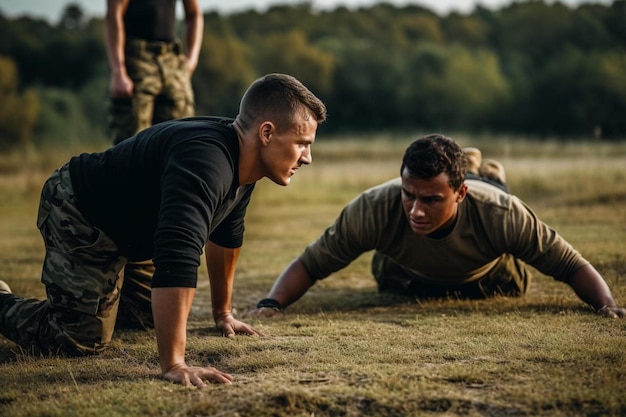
x=190, y=376
x=215, y=375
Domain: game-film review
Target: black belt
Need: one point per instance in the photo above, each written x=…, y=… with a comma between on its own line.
x=155, y=47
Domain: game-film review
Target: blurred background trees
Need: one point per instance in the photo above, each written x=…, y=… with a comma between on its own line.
x=531, y=68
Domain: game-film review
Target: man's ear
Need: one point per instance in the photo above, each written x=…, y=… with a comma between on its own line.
x=462, y=193
x=266, y=129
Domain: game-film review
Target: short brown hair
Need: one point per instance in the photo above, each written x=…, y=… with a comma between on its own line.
x=278, y=97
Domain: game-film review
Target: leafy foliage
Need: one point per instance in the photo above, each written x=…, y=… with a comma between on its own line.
x=530, y=67
x=18, y=111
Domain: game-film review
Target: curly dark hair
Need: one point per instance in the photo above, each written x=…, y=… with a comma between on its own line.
x=433, y=154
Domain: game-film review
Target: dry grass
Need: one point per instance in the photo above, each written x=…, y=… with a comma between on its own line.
x=344, y=349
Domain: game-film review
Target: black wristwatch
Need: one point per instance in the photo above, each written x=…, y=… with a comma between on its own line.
x=270, y=303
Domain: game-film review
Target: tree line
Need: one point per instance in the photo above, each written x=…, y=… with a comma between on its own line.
x=528, y=68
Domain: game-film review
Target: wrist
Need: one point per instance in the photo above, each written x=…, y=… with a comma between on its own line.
x=218, y=315
x=119, y=71
x=165, y=368
x=270, y=303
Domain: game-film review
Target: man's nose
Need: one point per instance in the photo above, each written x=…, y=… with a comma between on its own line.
x=306, y=158
x=416, y=209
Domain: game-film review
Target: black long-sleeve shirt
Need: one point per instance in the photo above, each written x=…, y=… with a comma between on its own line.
x=165, y=192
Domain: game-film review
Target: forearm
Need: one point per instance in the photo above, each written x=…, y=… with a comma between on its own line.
x=194, y=29
x=115, y=37
x=221, y=267
x=292, y=284
x=170, y=309
x=591, y=288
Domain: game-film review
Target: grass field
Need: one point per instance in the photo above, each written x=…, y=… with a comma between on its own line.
x=344, y=349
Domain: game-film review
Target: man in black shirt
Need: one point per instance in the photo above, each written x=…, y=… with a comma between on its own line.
x=186, y=185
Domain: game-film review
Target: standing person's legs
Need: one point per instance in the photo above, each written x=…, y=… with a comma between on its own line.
x=81, y=275
x=128, y=116
x=177, y=99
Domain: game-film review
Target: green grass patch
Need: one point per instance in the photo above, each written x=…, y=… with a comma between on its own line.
x=344, y=349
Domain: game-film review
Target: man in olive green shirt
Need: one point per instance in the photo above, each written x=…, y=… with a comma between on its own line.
x=440, y=232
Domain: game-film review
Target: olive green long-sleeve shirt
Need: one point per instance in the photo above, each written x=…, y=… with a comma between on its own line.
x=490, y=223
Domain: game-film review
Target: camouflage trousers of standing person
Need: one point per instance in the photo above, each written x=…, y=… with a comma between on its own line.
x=81, y=273
x=509, y=277
x=162, y=88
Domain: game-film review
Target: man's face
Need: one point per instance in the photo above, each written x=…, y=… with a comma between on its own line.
x=430, y=205
x=287, y=151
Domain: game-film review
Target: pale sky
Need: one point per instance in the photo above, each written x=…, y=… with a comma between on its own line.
x=52, y=9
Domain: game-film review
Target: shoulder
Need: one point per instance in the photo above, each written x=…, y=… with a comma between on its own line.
x=485, y=194
x=492, y=204
x=383, y=193
x=201, y=145
x=378, y=203
x=205, y=123
x=201, y=131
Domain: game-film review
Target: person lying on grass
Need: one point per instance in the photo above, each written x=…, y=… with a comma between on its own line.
x=165, y=194
x=446, y=228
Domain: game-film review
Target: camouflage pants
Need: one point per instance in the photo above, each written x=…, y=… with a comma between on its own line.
x=81, y=275
x=135, y=311
x=509, y=277
x=162, y=88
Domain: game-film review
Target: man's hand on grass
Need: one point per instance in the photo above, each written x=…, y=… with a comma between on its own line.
x=195, y=376
x=612, y=312
x=231, y=326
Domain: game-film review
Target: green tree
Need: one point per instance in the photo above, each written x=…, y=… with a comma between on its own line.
x=250, y=26
x=344, y=24
x=291, y=53
x=62, y=119
x=419, y=28
x=53, y=56
x=582, y=94
x=613, y=19
x=224, y=72
x=366, y=83
x=377, y=67
x=535, y=29
x=588, y=31
x=72, y=17
x=18, y=112
x=454, y=88
x=468, y=31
